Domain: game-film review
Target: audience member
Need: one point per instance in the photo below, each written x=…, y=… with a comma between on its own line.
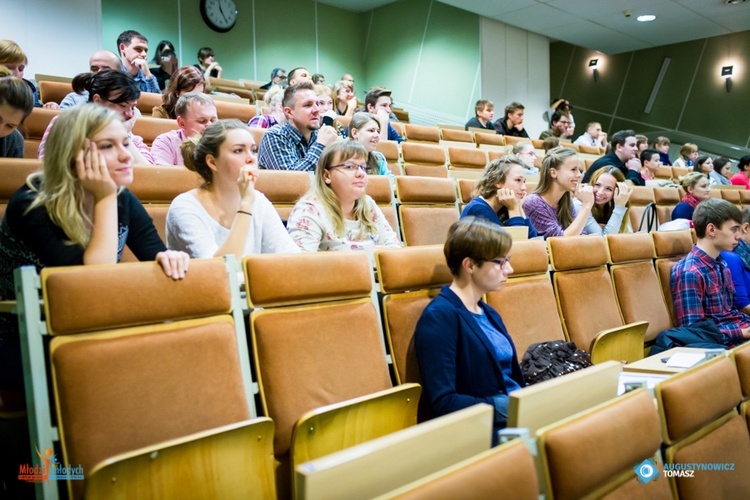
x=550, y=143
x=116, y=90
x=337, y=214
x=208, y=65
x=705, y=165
x=499, y=194
x=722, y=171
x=641, y=142
x=464, y=352
x=186, y=79
x=345, y=103
x=226, y=215
x=743, y=174
x=100, y=60
x=167, y=67
x=650, y=164
x=297, y=144
x=133, y=49
x=378, y=102
x=524, y=151
x=512, y=122
x=365, y=129
x=348, y=78
x=702, y=283
x=559, y=126
x=696, y=189
x=278, y=77
x=622, y=155
x=561, y=106
x=299, y=75
x=661, y=144
x=318, y=79
x=16, y=103
x=610, y=210
x=14, y=58
x=550, y=207
x=594, y=136
x=570, y=130
x=688, y=155
x=77, y=211
x=484, y=110
x=195, y=112
x=738, y=262
x=162, y=46
x=274, y=97
x=325, y=103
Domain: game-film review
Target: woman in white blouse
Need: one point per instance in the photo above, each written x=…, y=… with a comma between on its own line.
x=226, y=215
x=337, y=214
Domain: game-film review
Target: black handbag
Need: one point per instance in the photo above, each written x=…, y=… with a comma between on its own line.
x=649, y=217
x=548, y=360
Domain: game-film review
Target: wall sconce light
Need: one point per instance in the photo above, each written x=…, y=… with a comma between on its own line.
x=726, y=72
x=594, y=65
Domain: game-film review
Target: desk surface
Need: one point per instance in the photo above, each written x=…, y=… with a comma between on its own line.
x=654, y=364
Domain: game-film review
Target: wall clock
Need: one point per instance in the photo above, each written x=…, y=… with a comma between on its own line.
x=219, y=15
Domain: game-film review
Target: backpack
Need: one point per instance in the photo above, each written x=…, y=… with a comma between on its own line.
x=548, y=360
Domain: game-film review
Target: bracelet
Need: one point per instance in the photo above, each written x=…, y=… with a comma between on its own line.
x=243, y=212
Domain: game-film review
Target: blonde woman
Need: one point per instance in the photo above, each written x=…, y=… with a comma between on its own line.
x=550, y=207
x=77, y=211
x=365, y=129
x=696, y=189
x=337, y=214
x=276, y=116
x=688, y=155
x=524, y=151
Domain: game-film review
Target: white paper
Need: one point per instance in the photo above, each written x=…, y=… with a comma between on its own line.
x=685, y=359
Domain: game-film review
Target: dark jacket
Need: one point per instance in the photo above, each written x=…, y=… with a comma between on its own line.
x=612, y=159
x=457, y=362
x=703, y=334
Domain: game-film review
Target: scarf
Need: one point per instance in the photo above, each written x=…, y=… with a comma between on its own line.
x=691, y=200
x=688, y=162
x=743, y=250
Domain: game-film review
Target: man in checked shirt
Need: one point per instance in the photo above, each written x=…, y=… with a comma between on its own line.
x=701, y=282
x=297, y=144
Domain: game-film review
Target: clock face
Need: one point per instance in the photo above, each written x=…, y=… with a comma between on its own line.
x=220, y=15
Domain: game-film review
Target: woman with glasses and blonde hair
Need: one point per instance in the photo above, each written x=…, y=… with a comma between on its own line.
x=465, y=353
x=550, y=207
x=499, y=194
x=344, y=101
x=336, y=214
x=524, y=151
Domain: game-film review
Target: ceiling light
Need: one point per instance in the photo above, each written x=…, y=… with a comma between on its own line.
x=733, y=2
x=646, y=18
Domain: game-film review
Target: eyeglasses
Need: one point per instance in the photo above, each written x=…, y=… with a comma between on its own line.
x=532, y=153
x=349, y=167
x=503, y=261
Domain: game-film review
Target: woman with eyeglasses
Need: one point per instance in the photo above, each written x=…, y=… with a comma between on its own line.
x=226, y=215
x=465, y=353
x=116, y=90
x=499, y=194
x=525, y=152
x=336, y=214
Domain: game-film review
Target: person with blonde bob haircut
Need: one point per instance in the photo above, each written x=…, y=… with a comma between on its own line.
x=550, y=207
x=524, y=151
x=337, y=214
x=499, y=193
x=696, y=189
x=465, y=354
x=688, y=155
x=344, y=101
x=78, y=210
x=365, y=129
x=610, y=210
x=226, y=215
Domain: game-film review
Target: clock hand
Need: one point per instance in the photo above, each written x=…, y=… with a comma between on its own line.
x=221, y=9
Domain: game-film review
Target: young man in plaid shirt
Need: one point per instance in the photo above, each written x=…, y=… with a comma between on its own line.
x=701, y=282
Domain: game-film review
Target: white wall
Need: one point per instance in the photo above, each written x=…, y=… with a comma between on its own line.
x=515, y=67
x=58, y=36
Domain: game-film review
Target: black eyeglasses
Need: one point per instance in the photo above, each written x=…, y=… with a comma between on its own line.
x=349, y=167
x=503, y=261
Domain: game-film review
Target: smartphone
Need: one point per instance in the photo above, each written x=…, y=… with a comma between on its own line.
x=328, y=120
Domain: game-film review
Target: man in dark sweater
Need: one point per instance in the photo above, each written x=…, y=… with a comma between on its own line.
x=623, y=155
x=512, y=122
x=483, y=111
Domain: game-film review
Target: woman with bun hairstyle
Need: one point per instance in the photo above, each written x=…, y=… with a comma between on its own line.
x=499, y=194
x=226, y=215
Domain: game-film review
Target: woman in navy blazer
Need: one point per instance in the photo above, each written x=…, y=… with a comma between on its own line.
x=464, y=351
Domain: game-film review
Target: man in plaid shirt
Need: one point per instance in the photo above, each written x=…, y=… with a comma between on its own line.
x=701, y=282
x=297, y=144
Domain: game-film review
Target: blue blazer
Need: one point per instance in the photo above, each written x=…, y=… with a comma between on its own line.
x=457, y=362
